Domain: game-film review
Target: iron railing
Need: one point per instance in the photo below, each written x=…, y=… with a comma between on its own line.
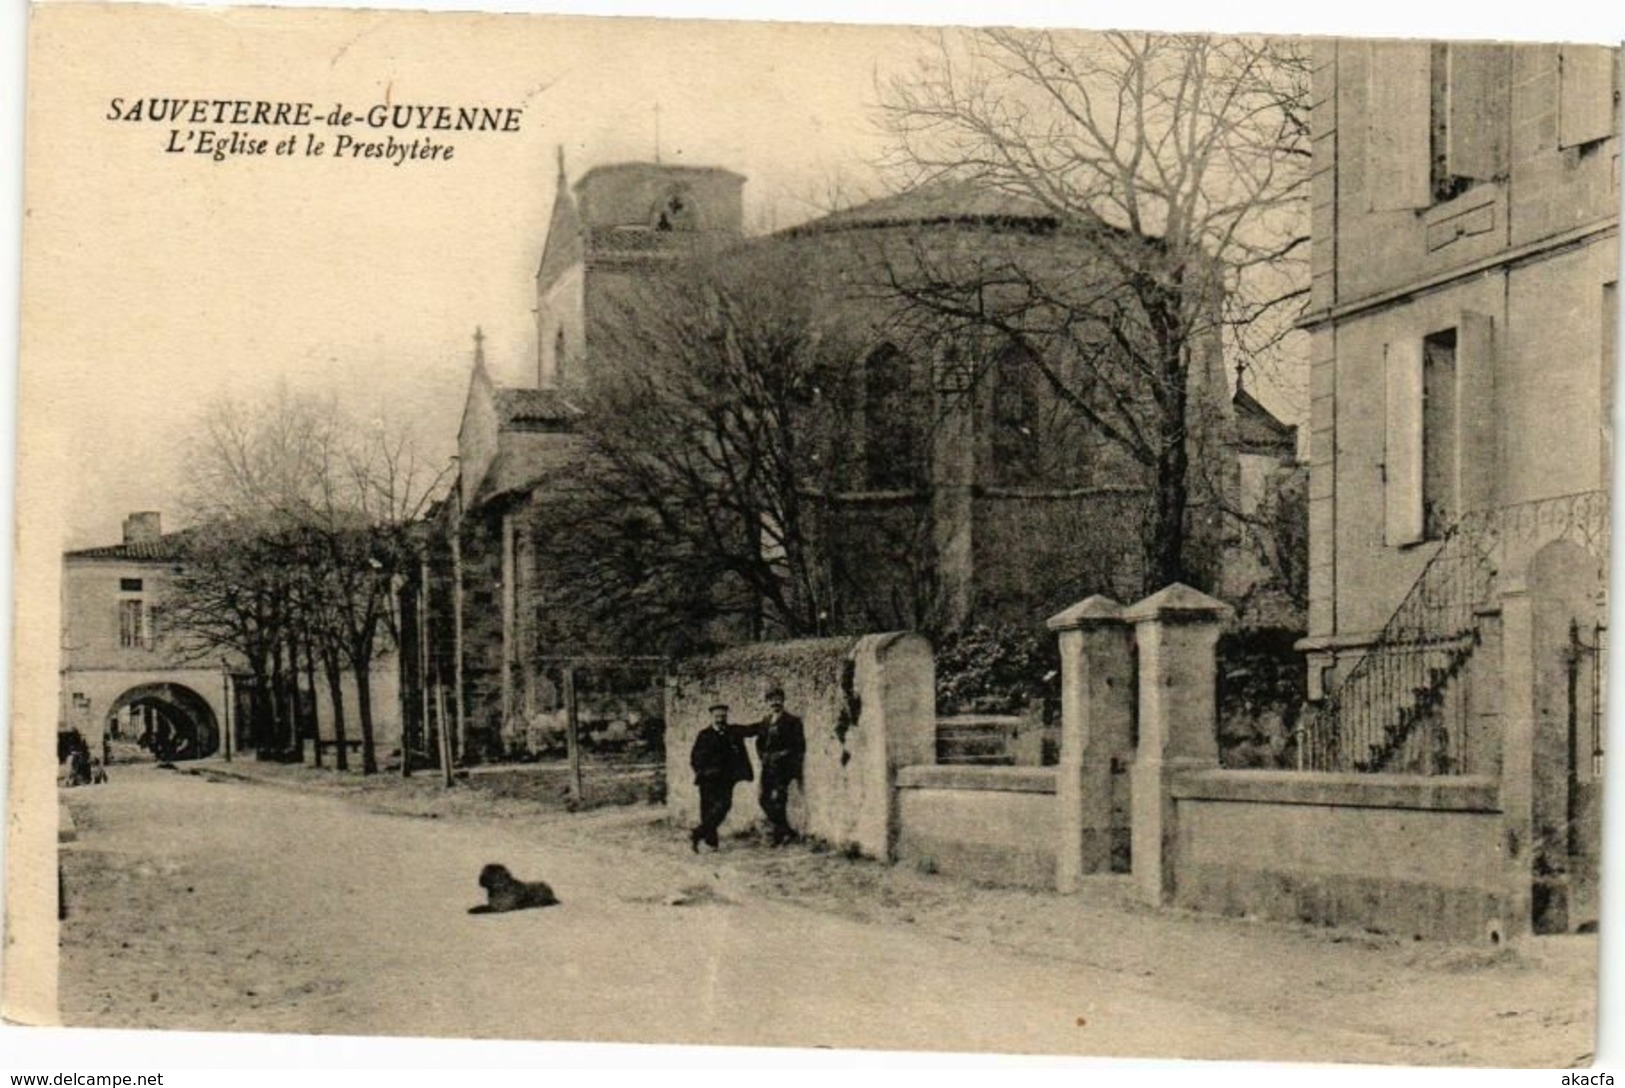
x=1393, y=711
x=1588, y=673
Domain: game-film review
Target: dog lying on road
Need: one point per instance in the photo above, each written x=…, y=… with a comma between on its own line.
x=504, y=893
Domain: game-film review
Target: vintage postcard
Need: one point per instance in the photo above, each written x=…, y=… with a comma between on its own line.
x=1025, y=541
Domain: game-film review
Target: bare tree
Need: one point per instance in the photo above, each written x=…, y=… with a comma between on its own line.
x=373, y=489
x=1179, y=161
x=249, y=584
x=232, y=596
x=710, y=444
x=302, y=530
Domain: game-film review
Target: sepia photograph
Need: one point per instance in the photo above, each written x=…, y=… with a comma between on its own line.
x=940, y=539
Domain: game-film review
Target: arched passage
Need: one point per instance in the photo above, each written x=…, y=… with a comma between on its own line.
x=180, y=726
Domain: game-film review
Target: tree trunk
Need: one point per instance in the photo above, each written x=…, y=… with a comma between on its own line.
x=1167, y=551
x=363, y=698
x=1166, y=558
x=279, y=703
x=407, y=674
x=310, y=684
x=259, y=705
x=296, y=702
x=335, y=693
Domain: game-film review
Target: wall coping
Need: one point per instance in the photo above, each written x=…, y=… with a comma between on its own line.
x=1178, y=603
x=1095, y=611
x=984, y=719
x=1442, y=793
x=986, y=779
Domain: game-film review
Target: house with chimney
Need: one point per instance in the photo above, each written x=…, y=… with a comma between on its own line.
x=131, y=684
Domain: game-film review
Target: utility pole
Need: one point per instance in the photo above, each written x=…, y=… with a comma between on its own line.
x=225, y=695
x=444, y=736
x=457, y=620
x=422, y=618
x=572, y=727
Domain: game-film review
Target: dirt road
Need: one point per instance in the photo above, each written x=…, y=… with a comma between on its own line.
x=212, y=905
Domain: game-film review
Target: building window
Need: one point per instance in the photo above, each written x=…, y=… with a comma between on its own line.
x=1017, y=447
x=130, y=585
x=1421, y=460
x=894, y=414
x=1438, y=119
x=558, y=357
x=1468, y=116
x=133, y=630
x=1440, y=461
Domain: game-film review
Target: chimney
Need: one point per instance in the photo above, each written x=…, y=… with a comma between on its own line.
x=142, y=528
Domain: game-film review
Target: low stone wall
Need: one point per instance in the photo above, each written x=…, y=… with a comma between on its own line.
x=1395, y=854
x=993, y=824
x=868, y=706
x=1000, y=740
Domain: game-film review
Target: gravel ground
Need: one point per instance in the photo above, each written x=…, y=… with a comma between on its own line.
x=1367, y=997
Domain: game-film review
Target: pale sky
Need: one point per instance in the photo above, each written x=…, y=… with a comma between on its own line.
x=155, y=283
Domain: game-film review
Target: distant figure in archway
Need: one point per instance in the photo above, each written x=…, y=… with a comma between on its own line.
x=178, y=724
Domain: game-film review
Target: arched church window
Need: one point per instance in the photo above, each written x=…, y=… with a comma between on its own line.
x=558, y=356
x=1016, y=431
x=896, y=421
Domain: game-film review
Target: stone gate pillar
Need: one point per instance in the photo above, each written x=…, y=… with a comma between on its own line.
x=1097, y=721
x=1176, y=631
x=1517, y=793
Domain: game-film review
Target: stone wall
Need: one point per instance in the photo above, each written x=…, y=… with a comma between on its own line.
x=868, y=706
x=991, y=824
x=1416, y=857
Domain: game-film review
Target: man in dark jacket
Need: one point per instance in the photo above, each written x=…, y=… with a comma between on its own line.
x=719, y=760
x=781, y=748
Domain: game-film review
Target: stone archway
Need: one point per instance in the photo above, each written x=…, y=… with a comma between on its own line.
x=181, y=726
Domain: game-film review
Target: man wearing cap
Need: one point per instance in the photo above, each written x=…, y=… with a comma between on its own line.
x=719, y=760
x=781, y=748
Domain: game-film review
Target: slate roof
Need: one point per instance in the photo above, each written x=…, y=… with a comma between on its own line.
x=563, y=246
x=1259, y=431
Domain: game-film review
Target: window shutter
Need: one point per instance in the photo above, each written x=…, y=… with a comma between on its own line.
x=1402, y=456
x=1477, y=408
x=1397, y=137
x=1479, y=84
x=1585, y=96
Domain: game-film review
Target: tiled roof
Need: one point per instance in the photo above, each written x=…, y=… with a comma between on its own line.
x=936, y=202
x=522, y=464
x=168, y=548
x=547, y=406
